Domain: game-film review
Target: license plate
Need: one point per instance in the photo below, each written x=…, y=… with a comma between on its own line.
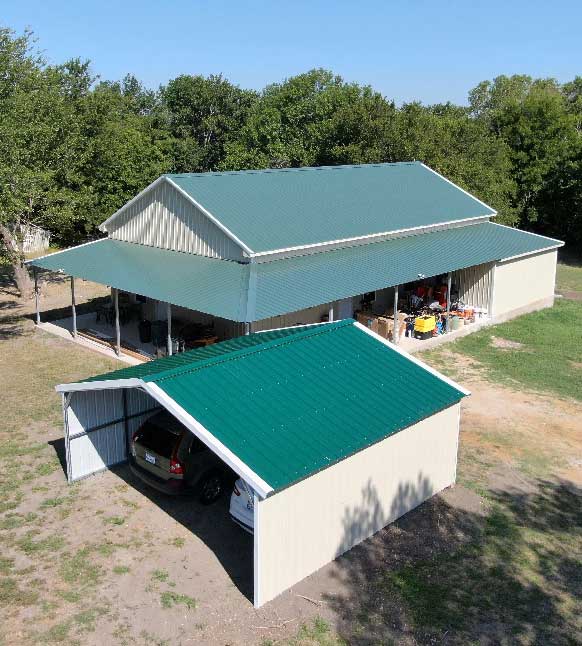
x=250, y=506
x=150, y=458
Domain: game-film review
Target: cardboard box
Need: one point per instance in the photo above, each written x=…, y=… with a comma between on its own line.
x=368, y=319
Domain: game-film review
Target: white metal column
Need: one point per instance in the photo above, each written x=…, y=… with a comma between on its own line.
x=169, y=321
x=395, y=329
x=117, y=329
x=36, y=296
x=73, y=307
x=449, y=283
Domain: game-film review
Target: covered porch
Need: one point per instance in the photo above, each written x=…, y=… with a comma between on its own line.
x=411, y=290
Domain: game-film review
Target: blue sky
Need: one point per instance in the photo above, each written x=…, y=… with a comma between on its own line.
x=407, y=49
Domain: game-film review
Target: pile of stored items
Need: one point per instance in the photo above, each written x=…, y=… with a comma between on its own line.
x=421, y=313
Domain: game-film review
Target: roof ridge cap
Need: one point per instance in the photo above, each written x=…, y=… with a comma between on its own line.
x=237, y=354
x=296, y=169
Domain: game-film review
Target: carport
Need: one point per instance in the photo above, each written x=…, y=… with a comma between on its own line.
x=338, y=432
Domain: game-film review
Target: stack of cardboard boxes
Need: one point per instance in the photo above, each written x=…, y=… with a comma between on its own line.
x=383, y=325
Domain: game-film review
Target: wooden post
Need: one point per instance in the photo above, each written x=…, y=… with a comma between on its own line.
x=36, y=296
x=330, y=313
x=449, y=283
x=117, y=329
x=73, y=307
x=395, y=330
x=169, y=321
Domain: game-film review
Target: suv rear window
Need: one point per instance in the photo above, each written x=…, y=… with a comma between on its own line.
x=160, y=434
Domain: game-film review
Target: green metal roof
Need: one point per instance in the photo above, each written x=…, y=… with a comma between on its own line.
x=290, y=405
x=221, y=287
x=296, y=283
x=217, y=287
x=191, y=357
x=277, y=209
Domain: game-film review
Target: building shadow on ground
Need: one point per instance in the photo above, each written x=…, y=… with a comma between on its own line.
x=232, y=546
x=444, y=574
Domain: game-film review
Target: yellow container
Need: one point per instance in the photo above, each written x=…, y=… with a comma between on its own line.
x=424, y=324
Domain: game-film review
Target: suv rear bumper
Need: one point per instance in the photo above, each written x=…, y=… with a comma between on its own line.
x=171, y=487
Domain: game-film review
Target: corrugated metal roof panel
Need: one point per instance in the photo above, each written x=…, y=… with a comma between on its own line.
x=290, y=406
x=300, y=282
x=209, y=285
x=152, y=369
x=277, y=209
x=221, y=287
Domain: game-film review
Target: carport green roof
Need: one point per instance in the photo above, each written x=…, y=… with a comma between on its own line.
x=291, y=403
x=284, y=208
x=250, y=292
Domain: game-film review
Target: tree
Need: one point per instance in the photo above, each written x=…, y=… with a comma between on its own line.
x=313, y=119
x=541, y=124
x=37, y=144
x=201, y=115
x=449, y=140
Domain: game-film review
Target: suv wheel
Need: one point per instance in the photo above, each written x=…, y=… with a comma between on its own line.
x=211, y=488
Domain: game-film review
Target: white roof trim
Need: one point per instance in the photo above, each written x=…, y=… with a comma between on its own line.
x=223, y=452
x=461, y=189
x=163, y=178
x=106, y=384
x=372, y=237
x=211, y=217
x=530, y=253
x=410, y=357
x=553, y=245
x=103, y=225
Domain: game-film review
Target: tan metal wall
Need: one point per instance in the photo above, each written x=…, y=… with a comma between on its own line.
x=164, y=218
x=474, y=284
x=524, y=282
x=300, y=529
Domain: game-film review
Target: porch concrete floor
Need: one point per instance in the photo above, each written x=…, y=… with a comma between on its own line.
x=129, y=333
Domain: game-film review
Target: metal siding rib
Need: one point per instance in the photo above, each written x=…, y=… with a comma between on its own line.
x=163, y=218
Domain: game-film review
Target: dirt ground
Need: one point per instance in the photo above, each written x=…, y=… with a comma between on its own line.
x=107, y=561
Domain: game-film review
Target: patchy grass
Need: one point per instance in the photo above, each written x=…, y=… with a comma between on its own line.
x=169, y=599
x=569, y=277
x=80, y=569
x=12, y=594
x=121, y=569
x=30, y=546
x=552, y=346
x=160, y=575
x=51, y=502
x=114, y=520
x=318, y=633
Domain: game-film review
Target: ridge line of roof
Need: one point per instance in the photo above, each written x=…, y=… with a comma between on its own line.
x=322, y=328
x=258, y=171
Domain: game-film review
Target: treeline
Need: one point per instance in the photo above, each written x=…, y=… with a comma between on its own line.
x=74, y=148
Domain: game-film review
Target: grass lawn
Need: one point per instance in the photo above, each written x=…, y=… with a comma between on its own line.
x=549, y=357
x=544, y=352
x=569, y=277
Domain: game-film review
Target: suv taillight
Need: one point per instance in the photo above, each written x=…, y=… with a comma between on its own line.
x=235, y=491
x=176, y=467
